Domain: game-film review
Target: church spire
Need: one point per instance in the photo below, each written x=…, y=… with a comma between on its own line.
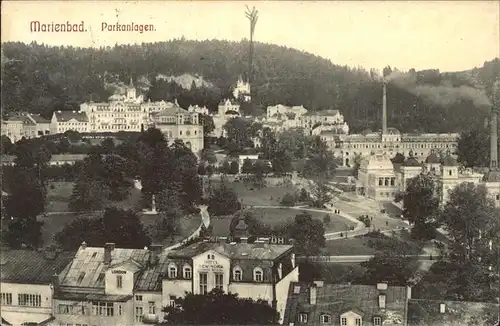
x=131, y=85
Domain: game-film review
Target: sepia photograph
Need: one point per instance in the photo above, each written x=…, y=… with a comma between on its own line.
x=329, y=163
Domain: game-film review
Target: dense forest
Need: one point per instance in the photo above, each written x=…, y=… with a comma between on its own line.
x=40, y=79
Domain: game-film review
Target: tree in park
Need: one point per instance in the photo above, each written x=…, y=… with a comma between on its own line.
x=468, y=216
x=421, y=206
x=223, y=201
x=321, y=194
x=234, y=167
x=356, y=164
x=88, y=195
x=108, y=145
x=398, y=158
x=282, y=162
x=26, y=199
x=247, y=166
x=208, y=124
x=473, y=148
x=216, y=307
x=321, y=163
x=208, y=156
x=239, y=134
x=393, y=264
x=122, y=227
x=7, y=145
x=308, y=233
x=116, y=179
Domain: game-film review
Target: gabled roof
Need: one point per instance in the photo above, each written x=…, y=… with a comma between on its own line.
x=39, y=119
x=456, y=313
x=171, y=111
x=433, y=158
x=450, y=161
x=411, y=161
x=323, y=113
x=337, y=299
x=64, y=116
x=32, y=266
x=233, y=251
x=88, y=264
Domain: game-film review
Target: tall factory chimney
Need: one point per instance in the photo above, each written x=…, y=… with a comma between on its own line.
x=494, y=139
x=384, y=109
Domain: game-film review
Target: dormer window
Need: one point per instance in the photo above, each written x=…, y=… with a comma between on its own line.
x=325, y=319
x=237, y=274
x=343, y=321
x=187, y=272
x=258, y=274
x=172, y=271
x=377, y=321
x=358, y=322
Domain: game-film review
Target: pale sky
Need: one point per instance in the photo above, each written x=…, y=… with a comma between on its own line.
x=447, y=35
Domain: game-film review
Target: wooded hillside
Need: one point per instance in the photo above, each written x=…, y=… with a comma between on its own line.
x=40, y=79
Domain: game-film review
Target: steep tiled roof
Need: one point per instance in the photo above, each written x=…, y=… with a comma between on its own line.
x=323, y=113
x=411, y=161
x=169, y=111
x=64, y=116
x=336, y=299
x=456, y=313
x=88, y=265
x=39, y=119
x=433, y=158
x=31, y=266
x=151, y=278
x=450, y=161
x=234, y=251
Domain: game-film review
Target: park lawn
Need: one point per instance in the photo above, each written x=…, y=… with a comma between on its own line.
x=59, y=193
x=279, y=216
x=253, y=196
x=54, y=223
x=352, y=246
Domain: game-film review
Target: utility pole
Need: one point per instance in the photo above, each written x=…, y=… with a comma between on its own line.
x=252, y=16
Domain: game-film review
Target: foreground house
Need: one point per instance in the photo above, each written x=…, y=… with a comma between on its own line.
x=256, y=270
x=346, y=304
x=27, y=284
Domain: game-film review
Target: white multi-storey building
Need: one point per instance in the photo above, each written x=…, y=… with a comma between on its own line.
x=25, y=125
x=63, y=121
x=27, y=284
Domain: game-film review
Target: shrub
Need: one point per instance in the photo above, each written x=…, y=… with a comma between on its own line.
x=365, y=219
x=288, y=200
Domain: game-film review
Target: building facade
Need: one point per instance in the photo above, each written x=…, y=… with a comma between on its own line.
x=63, y=121
x=177, y=123
x=346, y=304
x=380, y=179
x=253, y=270
x=27, y=284
x=25, y=125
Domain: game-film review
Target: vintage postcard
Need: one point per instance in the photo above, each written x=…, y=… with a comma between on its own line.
x=250, y=163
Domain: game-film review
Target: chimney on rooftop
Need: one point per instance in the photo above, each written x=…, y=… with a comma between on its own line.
x=55, y=282
x=155, y=252
x=313, y=294
x=84, y=245
x=494, y=140
x=384, y=108
x=50, y=252
x=442, y=308
x=108, y=248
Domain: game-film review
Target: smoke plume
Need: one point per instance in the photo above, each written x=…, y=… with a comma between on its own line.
x=443, y=95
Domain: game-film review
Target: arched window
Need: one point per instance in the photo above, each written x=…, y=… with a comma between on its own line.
x=258, y=274
x=187, y=272
x=325, y=319
x=237, y=274
x=172, y=271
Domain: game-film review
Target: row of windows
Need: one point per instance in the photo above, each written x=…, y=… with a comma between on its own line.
x=376, y=145
x=327, y=319
x=386, y=181
x=258, y=273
